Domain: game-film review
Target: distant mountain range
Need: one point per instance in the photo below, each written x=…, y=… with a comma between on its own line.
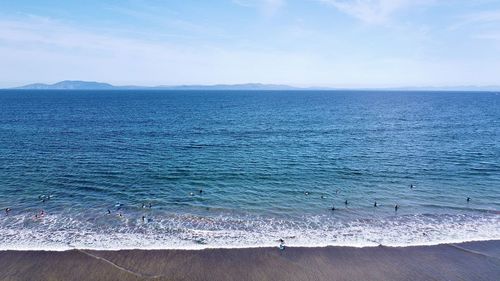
x=88, y=85
x=85, y=85
x=69, y=85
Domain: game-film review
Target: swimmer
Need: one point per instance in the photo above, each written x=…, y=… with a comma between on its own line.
x=375, y=204
x=333, y=208
x=282, y=245
x=201, y=191
x=306, y=192
x=323, y=196
x=346, y=202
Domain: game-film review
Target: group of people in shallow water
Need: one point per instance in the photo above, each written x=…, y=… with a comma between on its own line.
x=44, y=198
x=375, y=204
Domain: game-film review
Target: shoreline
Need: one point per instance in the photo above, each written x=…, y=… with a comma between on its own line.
x=201, y=247
x=478, y=260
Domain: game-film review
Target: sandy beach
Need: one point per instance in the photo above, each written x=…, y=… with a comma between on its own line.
x=465, y=261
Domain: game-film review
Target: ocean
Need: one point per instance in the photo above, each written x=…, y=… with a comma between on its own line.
x=211, y=169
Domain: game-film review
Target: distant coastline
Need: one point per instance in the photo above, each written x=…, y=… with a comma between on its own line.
x=92, y=85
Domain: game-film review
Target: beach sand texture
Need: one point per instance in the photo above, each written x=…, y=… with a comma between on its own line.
x=465, y=261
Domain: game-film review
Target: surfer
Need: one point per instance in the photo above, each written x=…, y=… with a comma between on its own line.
x=396, y=208
x=143, y=218
x=468, y=199
x=375, y=204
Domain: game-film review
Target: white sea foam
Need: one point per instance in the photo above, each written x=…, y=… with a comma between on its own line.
x=56, y=232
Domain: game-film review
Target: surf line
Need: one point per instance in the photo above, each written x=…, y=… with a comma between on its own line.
x=471, y=251
x=137, y=274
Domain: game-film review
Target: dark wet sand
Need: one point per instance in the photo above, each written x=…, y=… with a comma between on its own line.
x=466, y=261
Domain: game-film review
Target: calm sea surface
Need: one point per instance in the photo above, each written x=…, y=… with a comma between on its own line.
x=270, y=165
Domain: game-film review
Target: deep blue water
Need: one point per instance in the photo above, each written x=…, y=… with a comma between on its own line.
x=255, y=155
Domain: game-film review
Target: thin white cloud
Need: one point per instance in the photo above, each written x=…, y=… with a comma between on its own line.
x=266, y=7
x=371, y=11
x=485, y=16
x=485, y=24
x=477, y=18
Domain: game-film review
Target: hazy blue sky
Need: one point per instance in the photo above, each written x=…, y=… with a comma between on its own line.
x=358, y=43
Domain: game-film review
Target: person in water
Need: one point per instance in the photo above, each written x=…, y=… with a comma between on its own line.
x=201, y=191
x=282, y=245
x=333, y=208
x=40, y=215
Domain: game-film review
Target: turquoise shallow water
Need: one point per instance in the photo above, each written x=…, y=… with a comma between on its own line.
x=255, y=155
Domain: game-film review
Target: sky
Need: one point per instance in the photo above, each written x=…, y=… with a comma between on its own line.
x=323, y=43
